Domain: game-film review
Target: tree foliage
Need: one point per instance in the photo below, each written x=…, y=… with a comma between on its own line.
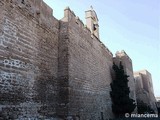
x=143, y=108
x=121, y=102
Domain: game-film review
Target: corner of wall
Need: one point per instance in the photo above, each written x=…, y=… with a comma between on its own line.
x=68, y=15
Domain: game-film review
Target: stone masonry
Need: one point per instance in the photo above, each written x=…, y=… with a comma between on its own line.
x=127, y=64
x=87, y=72
x=28, y=60
x=144, y=88
x=54, y=69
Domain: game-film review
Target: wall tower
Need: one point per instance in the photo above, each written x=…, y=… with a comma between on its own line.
x=92, y=22
x=121, y=56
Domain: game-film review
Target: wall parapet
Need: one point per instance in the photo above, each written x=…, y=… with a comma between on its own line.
x=68, y=13
x=79, y=22
x=36, y=9
x=106, y=48
x=69, y=16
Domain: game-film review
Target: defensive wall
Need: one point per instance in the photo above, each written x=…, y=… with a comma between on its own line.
x=88, y=70
x=144, y=88
x=50, y=68
x=28, y=59
x=54, y=69
x=121, y=56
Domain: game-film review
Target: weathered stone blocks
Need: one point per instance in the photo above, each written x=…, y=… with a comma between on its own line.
x=28, y=61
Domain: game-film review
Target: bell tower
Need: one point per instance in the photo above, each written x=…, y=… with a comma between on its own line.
x=92, y=22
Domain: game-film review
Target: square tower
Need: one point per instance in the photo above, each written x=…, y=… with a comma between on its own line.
x=92, y=22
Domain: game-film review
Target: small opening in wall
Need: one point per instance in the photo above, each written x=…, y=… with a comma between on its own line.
x=77, y=23
x=22, y=2
x=38, y=12
x=102, y=116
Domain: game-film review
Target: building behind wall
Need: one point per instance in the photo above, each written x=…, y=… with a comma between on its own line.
x=144, y=88
x=53, y=68
x=126, y=61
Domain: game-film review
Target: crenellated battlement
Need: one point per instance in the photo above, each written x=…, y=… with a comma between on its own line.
x=36, y=9
x=69, y=16
x=79, y=22
x=106, y=48
x=50, y=67
x=39, y=10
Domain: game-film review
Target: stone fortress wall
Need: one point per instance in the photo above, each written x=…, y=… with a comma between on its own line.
x=144, y=88
x=122, y=57
x=52, y=69
x=28, y=59
x=88, y=70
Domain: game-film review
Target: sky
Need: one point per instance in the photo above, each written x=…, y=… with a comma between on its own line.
x=129, y=25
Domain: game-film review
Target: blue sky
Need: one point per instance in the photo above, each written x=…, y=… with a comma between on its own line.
x=130, y=25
